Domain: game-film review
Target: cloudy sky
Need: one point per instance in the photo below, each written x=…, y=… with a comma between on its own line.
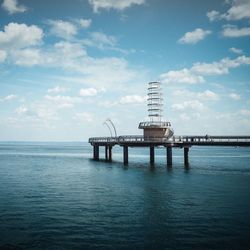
x=67, y=65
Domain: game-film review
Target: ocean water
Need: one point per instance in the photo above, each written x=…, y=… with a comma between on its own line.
x=54, y=196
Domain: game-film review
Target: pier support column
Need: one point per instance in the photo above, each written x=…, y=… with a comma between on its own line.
x=96, y=152
x=152, y=155
x=169, y=156
x=106, y=153
x=186, y=161
x=110, y=153
x=125, y=155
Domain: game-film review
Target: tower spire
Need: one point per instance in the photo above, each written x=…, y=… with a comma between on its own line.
x=155, y=101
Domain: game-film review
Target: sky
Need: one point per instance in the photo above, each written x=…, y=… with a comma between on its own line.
x=68, y=65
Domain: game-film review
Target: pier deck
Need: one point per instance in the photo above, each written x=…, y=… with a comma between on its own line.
x=175, y=142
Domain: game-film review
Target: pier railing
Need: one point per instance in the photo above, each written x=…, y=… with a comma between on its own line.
x=174, y=139
x=180, y=141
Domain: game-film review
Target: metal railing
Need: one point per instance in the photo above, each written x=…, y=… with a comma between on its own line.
x=103, y=140
x=174, y=139
x=154, y=124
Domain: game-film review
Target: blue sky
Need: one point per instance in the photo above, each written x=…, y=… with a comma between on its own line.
x=67, y=66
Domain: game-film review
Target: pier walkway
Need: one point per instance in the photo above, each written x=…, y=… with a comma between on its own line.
x=184, y=142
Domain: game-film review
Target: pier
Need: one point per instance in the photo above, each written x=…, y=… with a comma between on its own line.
x=185, y=142
x=159, y=133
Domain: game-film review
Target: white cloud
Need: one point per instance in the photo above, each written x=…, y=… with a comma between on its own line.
x=84, y=117
x=38, y=113
x=234, y=96
x=8, y=98
x=16, y=36
x=21, y=110
x=181, y=76
x=190, y=105
x=245, y=112
x=133, y=99
x=215, y=68
x=26, y=57
x=100, y=40
x=57, y=90
x=13, y=7
x=234, y=31
x=69, y=51
x=18, y=41
x=213, y=15
x=236, y=51
x=85, y=23
x=194, y=36
x=198, y=70
x=221, y=67
x=3, y=56
x=206, y=95
x=88, y=92
x=184, y=117
x=239, y=9
x=63, y=29
x=113, y=4
x=63, y=101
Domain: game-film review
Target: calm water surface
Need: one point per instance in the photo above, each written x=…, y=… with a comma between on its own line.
x=53, y=196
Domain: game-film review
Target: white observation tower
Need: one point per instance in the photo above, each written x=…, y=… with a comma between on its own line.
x=155, y=128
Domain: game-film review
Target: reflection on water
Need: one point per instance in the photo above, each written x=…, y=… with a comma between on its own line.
x=53, y=196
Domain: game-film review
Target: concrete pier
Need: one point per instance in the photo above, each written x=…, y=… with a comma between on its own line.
x=169, y=156
x=110, y=153
x=96, y=153
x=106, y=153
x=125, y=155
x=152, y=155
x=186, y=161
x=184, y=142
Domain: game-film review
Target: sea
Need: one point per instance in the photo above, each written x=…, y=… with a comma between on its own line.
x=54, y=196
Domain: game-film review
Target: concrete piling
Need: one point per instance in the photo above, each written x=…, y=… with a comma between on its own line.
x=106, y=153
x=186, y=161
x=152, y=155
x=110, y=153
x=96, y=152
x=169, y=156
x=125, y=155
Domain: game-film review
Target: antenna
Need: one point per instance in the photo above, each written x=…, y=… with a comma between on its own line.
x=105, y=123
x=109, y=120
x=155, y=101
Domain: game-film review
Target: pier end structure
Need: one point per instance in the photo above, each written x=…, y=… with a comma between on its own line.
x=155, y=127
